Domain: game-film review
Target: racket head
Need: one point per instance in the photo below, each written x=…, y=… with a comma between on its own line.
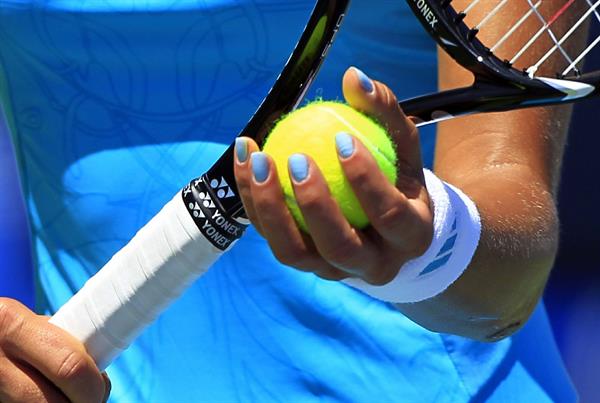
x=506, y=71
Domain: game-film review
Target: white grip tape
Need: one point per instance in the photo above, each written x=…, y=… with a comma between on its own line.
x=155, y=267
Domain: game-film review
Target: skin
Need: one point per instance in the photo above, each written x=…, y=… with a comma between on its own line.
x=507, y=163
x=40, y=362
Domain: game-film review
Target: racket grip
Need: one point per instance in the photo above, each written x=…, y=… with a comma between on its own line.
x=155, y=267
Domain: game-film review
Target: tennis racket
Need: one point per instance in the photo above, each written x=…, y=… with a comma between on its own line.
x=189, y=234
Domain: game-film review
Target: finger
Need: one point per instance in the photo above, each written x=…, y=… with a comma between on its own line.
x=244, y=147
x=286, y=240
x=377, y=100
x=401, y=222
x=336, y=240
x=23, y=384
x=57, y=355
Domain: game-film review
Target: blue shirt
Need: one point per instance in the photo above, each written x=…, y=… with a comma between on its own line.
x=115, y=105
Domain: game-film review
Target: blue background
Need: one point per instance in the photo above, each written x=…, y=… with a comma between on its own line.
x=573, y=293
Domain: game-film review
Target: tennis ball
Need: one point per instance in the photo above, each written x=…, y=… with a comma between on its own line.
x=311, y=131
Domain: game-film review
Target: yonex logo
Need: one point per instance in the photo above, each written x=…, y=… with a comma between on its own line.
x=195, y=207
x=223, y=189
x=206, y=200
x=219, y=229
x=425, y=10
x=196, y=210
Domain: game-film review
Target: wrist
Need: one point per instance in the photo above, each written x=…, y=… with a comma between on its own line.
x=457, y=228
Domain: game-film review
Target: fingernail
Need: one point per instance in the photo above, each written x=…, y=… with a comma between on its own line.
x=241, y=149
x=298, y=165
x=364, y=80
x=107, y=387
x=260, y=166
x=344, y=144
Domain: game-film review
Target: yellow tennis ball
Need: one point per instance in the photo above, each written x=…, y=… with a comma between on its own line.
x=311, y=130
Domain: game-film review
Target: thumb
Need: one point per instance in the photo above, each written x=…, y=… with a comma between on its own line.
x=378, y=101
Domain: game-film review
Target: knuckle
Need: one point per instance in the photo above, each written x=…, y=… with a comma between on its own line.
x=73, y=367
x=379, y=275
x=6, y=314
x=7, y=308
x=389, y=219
x=263, y=201
x=291, y=256
x=76, y=367
x=310, y=201
x=340, y=251
x=358, y=175
x=332, y=274
x=10, y=319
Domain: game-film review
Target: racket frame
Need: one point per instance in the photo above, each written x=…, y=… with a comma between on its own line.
x=497, y=85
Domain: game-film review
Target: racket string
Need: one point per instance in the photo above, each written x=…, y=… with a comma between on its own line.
x=587, y=49
x=557, y=44
x=489, y=16
x=531, y=70
x=546, y=28
x=515, y=27
x=470, y=6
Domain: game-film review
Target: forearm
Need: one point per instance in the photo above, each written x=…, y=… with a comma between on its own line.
x=499, y=289
x=512, y=180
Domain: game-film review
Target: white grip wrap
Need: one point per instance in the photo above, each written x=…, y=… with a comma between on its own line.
x=153, y=269
x=456, y=232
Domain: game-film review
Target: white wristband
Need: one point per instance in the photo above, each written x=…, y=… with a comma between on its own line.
x=457, y=227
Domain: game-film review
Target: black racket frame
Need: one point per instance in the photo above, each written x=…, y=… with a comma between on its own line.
x=497, y=85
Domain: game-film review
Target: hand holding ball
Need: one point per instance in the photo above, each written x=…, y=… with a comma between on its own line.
x=311, y=130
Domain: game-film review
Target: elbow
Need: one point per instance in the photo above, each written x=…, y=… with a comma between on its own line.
x=488, y=322
x=498, y=330
x=494, y=326
x=483, y=329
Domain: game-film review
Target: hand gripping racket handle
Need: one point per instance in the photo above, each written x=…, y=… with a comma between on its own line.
x=169, y=253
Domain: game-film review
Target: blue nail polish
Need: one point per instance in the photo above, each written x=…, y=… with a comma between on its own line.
x=344, y=144
x=260, y=166
x=241, y=149
x=298, y=166
x=364, y=80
